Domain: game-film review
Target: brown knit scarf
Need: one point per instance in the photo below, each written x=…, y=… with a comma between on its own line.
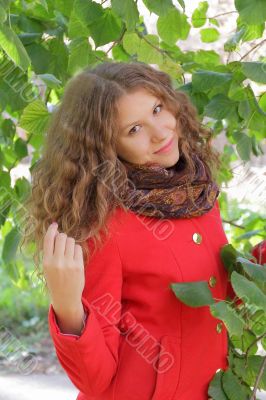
x=162, y=192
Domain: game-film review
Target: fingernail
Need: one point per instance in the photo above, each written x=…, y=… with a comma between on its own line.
x=55, y=223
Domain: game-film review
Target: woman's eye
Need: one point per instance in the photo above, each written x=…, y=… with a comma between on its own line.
x=132, y=130
x=158, y=105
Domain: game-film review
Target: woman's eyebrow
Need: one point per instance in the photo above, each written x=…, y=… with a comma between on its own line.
x=135, y=122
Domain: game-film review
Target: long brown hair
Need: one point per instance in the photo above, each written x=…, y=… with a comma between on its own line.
x=81, y=140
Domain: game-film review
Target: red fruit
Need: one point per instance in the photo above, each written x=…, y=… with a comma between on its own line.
x=259, y=252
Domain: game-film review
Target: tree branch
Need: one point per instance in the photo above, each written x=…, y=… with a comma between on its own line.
x=216, y=16
x=233, y=223
x=118, y=40
x=253, y=48
x=263, y=364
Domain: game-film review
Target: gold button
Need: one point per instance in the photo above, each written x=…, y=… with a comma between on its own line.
x=197, y=238
x=212, y=281
x=219, y=327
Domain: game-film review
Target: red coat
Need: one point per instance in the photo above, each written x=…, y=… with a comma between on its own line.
x=140, y=342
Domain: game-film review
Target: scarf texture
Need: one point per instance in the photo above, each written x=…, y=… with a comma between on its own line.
x=162, y=192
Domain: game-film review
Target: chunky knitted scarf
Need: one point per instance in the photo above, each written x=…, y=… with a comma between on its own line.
x=162, y=192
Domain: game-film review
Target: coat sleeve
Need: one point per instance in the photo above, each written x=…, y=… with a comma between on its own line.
x=90, y=360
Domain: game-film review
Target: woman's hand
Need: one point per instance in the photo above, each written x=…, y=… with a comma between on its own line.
x=63, y=270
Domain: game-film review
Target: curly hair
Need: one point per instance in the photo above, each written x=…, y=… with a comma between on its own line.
x=81, y=137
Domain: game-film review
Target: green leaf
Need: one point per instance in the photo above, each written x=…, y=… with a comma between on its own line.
x=236, y=92
x=81, y=54
x=200, y=100
x=173, y=26
x=59, y=59
x=251, y=111
x=50, y=80
x=209, y=35
x=249, y=234
x=20, y=148
x=233, y=387
x=257, y=150
x=64, y=6
x=262, y=102
x=256, y=71
x=249, y=371
x=159, y=7
x=228, y=255
x=83, y=14
x=207, y=57
x=11, y=269
x=251, y=32
x=170, y=67
x=214, y=21
x=3, y=14
x=244, y=145
x=8, y=129
x=220, y=107
x=22, y=188
x=255, y=271
x=203, y=80
x=128, y=11
x=193, y=294
x=35, y=118
x=199, y=14
x=27, y=38
x=77, y=27
x=5, y=182
x=244, y=109
x=257, y=323
x=133, y=44
x=182, y=4
x=119, y=53
x=215, y=389
x=106, y=29
x=14, y=87
x=13, y=47
x=252, y=12
x=11, y=242
x=40, y=57
x=6, y=196
x=232, y=43
x=44, y=4
x=147, y=53
x=27, y=23
x=248, y=291
x=233, y=322
x=245, y=341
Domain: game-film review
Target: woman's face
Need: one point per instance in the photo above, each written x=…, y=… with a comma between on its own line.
x=145, y=126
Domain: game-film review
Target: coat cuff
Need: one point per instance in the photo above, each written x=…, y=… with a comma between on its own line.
x=85, y=316
x=91, y=326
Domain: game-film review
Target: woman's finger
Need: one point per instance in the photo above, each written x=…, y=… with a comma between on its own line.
x=78, y=254
x=70, y=248
x=48, y=241
x=60, y=245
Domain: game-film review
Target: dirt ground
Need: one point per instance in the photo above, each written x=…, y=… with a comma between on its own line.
x=43, y=379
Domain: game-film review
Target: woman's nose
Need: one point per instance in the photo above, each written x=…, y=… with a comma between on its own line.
x=158, y=133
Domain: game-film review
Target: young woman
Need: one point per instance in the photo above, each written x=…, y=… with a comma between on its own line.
x=128, y=172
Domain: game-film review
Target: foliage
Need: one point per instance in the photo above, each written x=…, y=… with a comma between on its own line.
x=44, y=42
x=245, y=321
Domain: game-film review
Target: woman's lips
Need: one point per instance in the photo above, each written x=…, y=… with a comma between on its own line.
x=166, y=148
